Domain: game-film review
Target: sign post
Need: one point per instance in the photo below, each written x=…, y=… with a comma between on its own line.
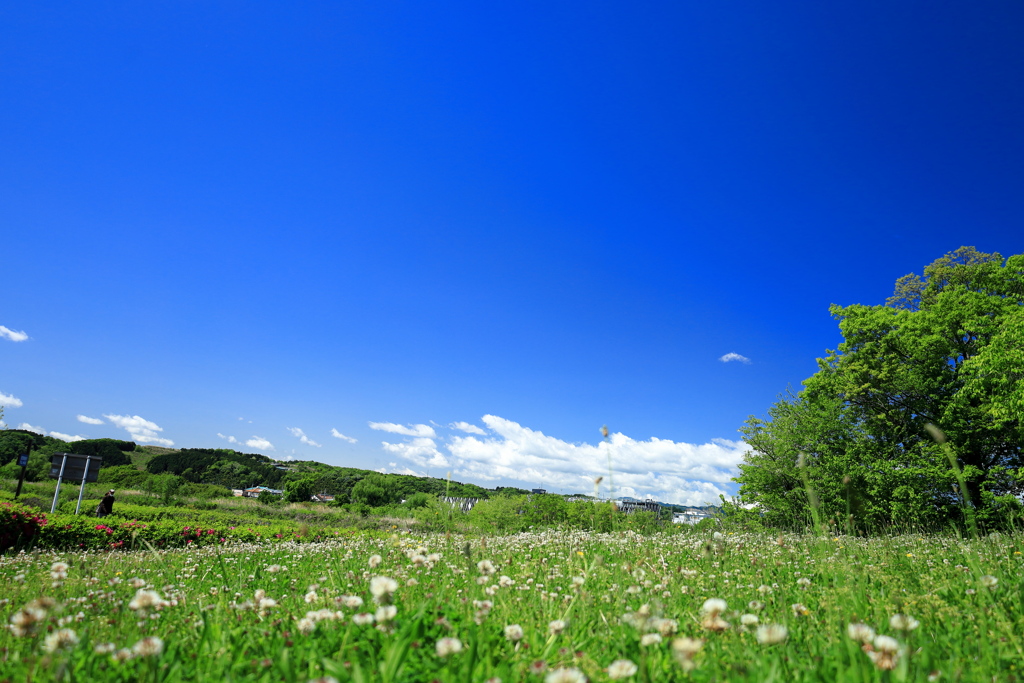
x=56, y=492
x=81, y=489
x=22, y=463
x=73, y=466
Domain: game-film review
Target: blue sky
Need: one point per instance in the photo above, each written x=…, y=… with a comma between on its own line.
x=466, y=235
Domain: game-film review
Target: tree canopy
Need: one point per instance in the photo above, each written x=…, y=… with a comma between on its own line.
x=946, y=349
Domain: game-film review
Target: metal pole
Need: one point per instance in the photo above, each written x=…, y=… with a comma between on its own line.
x=53, y=508
x=81, y=489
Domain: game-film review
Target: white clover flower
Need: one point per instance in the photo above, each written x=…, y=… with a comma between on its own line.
x=902, y=622
x=621, y=668
x=385, y=613
x=25, y=621
x=556, y=627
x=104, y=648
x=59, y=570
x=381, y=587
x=799, y=610
x=713, y=606
x=375, y=561
x=514, y=632
x=353, y=601
x=988, y=581
x=61, y=639
x=749, y=620
x=448, y=646
x=665, y=627
x=803, y=581
x=862, y=633
x=711, y=609
x=649, y=639
x=274, y=568
x=506, y=582
x=362, y=619
x=770, y=634
x=886, y=653
x=571, y=675
x=755, y=605
x=486, y=567
x=306, y=626
x=311, y=597
x=146, y=599
x=687, y=646
x=684, y=649
x=148, y=647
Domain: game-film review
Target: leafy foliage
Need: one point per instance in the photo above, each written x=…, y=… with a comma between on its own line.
x=948, y=350
x=19, y=524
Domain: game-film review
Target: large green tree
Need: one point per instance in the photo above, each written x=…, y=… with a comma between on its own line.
x=946, y=349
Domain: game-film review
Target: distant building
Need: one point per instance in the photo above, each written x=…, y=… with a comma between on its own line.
x=639, y=506
x=690, y=516
x=255, y=491
x=459, y=503
x=539, y=491
x=322, y=498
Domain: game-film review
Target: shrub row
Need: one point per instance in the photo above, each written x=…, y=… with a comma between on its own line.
x=77, y=531
x=19, y=524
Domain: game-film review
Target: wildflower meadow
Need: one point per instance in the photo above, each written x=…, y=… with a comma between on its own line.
x=554, y=606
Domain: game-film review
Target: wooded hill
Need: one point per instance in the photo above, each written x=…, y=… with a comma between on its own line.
x=126, y=464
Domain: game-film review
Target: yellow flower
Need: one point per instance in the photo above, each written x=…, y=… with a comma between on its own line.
x=580, y=553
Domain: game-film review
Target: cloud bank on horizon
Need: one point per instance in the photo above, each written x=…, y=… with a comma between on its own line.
x=675, y=472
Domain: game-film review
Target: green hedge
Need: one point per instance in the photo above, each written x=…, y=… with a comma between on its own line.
x=19, y=524
x=71, y=531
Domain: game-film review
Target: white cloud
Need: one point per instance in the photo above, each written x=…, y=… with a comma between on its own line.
x=229, y=439
x=302, y=437
x=260, y=443
x=89, y=420
x=729, y=357
x=9, y=401
x=395, y=469
x=140, y=429
x=669, y=471
x=67, y=437
x=31, y=428
x=411, y=430
x=8, y=333
x=419, y=450
x=338, y=435
x=467, y=427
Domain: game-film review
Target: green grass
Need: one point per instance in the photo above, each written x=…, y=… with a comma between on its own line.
x=610, y=590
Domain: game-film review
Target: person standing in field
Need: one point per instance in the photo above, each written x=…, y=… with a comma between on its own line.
x=106, y=505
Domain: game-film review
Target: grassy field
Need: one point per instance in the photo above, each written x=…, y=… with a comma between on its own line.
x=554, y=606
